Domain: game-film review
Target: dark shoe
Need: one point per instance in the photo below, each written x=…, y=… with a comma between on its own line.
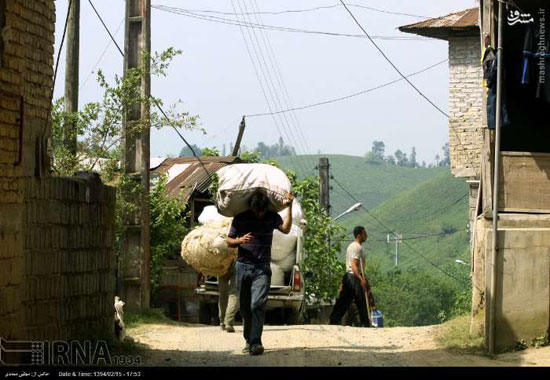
x=230, y=329
x=222, y=326
x=257, y=349
x=246, y=349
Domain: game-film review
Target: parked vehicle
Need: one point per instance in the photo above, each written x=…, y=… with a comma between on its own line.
x=288, y=298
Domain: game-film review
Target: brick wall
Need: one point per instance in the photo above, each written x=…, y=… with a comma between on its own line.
x=465, y=106
x=56, y=234
x=69, y=260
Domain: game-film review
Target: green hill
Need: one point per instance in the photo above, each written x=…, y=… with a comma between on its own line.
x=371, y=183
x=413, y=202
x=437, y=208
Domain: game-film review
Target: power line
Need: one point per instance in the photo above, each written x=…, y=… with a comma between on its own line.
x=105, y=26
x=282, y=85
x=390, y=61
x=222, y=20
x=254, y=56
x=391, y=231
x=306, y=10
x=435, y=213
x=101, y=56
x=48, y=115
x=351, y=95
x=159, y=107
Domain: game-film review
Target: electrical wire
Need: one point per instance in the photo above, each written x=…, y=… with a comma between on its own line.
x=351, y=95
x=390, y=61
x=101, y=56
x=305, y=10
x=50, y=103
x=392, y=232
x=222, y=20
x=255, y=54
x=155, y=101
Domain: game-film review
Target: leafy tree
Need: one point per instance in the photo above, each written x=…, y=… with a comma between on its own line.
x=279, y=149
x=167, y=227
x=99, y=132
x=412, y=159
x=446, y=155
x=401, y=158
x=378, y=149
x=207, y=152
x=251, y=157
x=186, y=151
x=390, y=160
x=321, y=258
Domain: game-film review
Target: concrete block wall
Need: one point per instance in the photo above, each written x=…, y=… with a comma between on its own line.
x=465, y=106
x=68, y=286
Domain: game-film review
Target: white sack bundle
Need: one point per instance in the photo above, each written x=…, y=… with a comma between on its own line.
x=238, y=182
x=277, y=275
x=283, y=250
x=297, y=214
x=205, y=249
x=210, y=214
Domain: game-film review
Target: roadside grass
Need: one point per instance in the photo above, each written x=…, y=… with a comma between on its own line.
x=133, y=320
x=455, y=335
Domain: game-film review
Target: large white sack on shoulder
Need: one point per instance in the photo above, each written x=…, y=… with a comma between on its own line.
x=205, y=249
x=283, y=248
x=277, y=275
x=297, y=214
x=210, y=214
x=238, y=182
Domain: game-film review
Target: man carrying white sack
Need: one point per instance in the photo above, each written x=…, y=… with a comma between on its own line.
x=252, y=232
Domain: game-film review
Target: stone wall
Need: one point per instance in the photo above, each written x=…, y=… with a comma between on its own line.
x=465, y=106
x=56, y=234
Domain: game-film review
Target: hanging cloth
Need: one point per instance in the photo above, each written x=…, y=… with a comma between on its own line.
x=490, y=66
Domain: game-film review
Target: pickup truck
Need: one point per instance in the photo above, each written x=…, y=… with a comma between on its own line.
x=288, y=298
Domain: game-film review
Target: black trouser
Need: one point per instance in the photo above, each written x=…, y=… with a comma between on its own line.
x=351, y=291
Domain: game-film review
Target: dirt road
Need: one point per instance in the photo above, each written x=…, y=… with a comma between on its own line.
x=314, y=345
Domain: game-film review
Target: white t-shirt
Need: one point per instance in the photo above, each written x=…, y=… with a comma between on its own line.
x=355, y=251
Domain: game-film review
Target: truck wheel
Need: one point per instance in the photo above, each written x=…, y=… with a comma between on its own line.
x=204, y=313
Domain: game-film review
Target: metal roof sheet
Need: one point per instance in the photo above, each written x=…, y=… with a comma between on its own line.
x=194, y=177
x=444, y=26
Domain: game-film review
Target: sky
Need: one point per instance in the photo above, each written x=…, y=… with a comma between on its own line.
x=215, y=79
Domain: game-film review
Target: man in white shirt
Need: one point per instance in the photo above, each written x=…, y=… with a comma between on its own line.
x=354, y=284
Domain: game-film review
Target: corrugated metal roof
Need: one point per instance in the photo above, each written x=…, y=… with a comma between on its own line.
x=194, y=177
x=444, y=26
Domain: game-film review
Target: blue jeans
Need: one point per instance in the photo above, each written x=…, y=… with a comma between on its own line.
x=253, y=282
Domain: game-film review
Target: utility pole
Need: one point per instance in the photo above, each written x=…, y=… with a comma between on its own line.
x=71, y=76
x=135, y=248
x=237, y=146
x=398, y=239
x=324, y=187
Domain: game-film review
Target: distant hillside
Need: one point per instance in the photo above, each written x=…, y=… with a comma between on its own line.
x=438, y=207
x=371, y=183
x=412, y=202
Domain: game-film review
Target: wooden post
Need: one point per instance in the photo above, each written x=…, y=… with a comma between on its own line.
x=237, y=146
x=324, y=191
x=135, y=248
x=71, y=76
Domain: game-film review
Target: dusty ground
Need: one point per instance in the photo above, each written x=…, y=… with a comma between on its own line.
x=314, y=345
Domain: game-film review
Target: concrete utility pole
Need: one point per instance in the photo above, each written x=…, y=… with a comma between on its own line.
x=324, y=191
x=398, y=239
x=136, y=255
x=71, y=75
